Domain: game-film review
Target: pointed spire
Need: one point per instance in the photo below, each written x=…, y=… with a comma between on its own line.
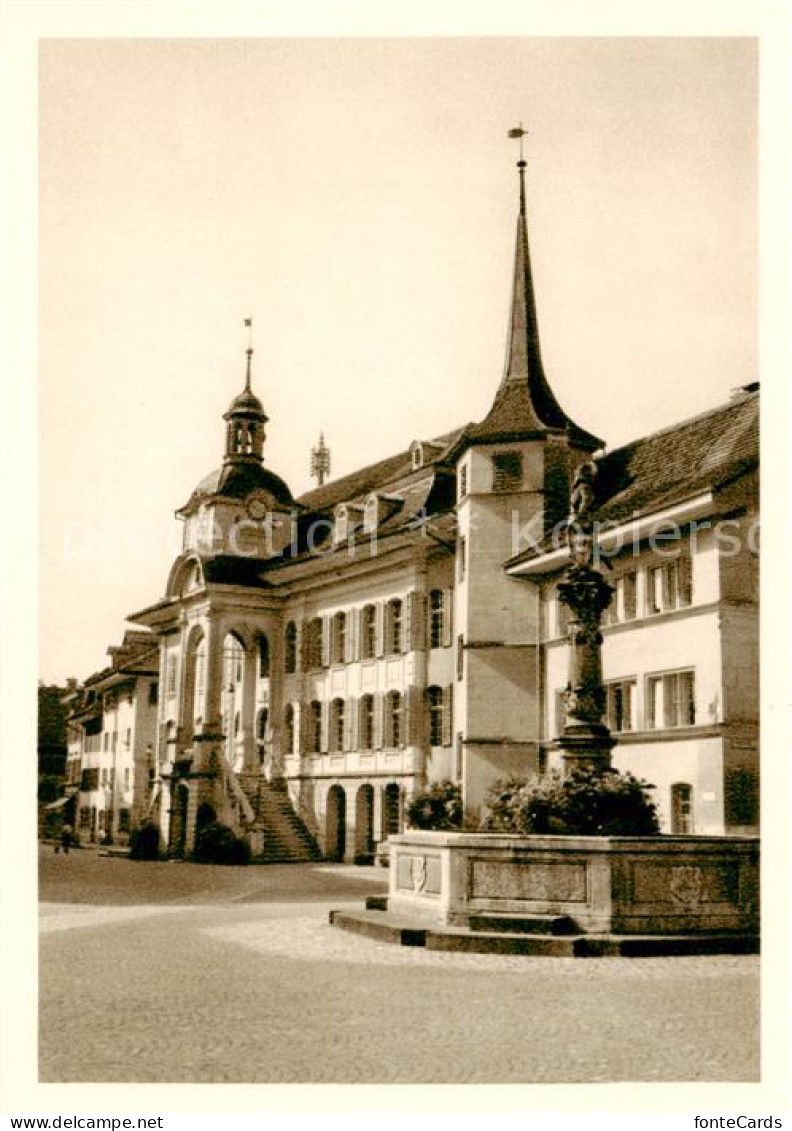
x=524, y=403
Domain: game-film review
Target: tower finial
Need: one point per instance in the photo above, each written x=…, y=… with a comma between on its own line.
x=249, y=352
x=320, y=460
x=520, y=133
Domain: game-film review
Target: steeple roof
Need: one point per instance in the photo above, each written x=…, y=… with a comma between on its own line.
x=524, y=404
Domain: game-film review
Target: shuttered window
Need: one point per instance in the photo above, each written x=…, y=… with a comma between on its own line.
x=507, y=471
x=434, y=698
x=366, y=726
x=368, y=632
x=436, y=618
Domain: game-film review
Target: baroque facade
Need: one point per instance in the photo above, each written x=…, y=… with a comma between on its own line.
x=322, y=659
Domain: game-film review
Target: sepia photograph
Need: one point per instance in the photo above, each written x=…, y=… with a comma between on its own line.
x=398, y=560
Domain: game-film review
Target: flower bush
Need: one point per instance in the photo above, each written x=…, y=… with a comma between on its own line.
x=439, y=807
x=144, y=842
x=216, y=843
x=587, y=803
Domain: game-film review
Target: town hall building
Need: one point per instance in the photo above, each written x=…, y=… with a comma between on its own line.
x=324, y=658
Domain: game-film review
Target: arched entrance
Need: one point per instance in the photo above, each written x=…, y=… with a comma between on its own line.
x=364, y=825
x=391, y=810
x=335, y=823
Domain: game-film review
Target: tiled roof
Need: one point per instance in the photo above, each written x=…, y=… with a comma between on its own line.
x=677, y=463
x=680, y=461
x=387, y=476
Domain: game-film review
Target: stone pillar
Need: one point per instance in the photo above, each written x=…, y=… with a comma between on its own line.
x=585, y=741
x=248, y=712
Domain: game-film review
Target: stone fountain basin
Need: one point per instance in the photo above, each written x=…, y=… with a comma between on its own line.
x=662, y=885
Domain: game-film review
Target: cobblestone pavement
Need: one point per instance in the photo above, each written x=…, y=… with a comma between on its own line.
x=231, y=980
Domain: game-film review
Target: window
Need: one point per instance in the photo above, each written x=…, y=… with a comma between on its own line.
x=341, y=528
x=338, y=640
x=559, y=703
x=391, y=810
x=463, y=473
x=434, y=697
x=170, y=679
x=264, y=657
x=261, y=724
x=128, y=737
x=669, y=586
x=124, y=820
x=126, y=777
x=417, y=455
x=370, y=514
x=368, y=631
x=337, y=725
x=562, y=617
x=314, y=727
x=313, y=643
x=153, y=694
x=461, y=558
x=367, y=722
x=290, y=650
x=626, y=594
x=89, y=780
x=507, y=471
x=670, y=700
x=394, y=626
x=460, y=657
x=681, y=808
x=105, y=776
x=288, y=728
x=393, y=719
x=620, y=704
x=436, y=618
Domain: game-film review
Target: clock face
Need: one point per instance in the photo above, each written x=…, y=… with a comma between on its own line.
x=258, y=504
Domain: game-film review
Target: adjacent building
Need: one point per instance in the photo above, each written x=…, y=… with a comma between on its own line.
x=321, y=659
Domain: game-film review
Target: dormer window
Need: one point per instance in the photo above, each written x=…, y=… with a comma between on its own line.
x=341, y=527
x=370, y=514
x=416, y=454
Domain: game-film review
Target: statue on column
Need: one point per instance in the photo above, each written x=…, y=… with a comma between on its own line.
x=585, y=739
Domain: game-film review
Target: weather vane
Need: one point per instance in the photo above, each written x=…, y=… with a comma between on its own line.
x=249, y=351
x=519, y=132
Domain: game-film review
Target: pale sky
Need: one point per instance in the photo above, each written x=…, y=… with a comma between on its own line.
x=358, y=199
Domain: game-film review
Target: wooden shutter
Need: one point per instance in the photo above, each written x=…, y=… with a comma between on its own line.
x=448, y=617
x=380, y=617
x=350, y=723
x=413, y=708
x=324, y=655
x=352, y=633
x=302, y=728
x=379, y=711
x=416, y=621
x=304, y=641
x=448, y=715
x=685, y=579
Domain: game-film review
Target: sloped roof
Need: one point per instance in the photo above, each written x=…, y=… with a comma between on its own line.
x=680, y=461
x=702, y=453
x=386, y=476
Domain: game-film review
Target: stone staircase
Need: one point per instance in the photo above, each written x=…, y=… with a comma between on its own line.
x=285, y=838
